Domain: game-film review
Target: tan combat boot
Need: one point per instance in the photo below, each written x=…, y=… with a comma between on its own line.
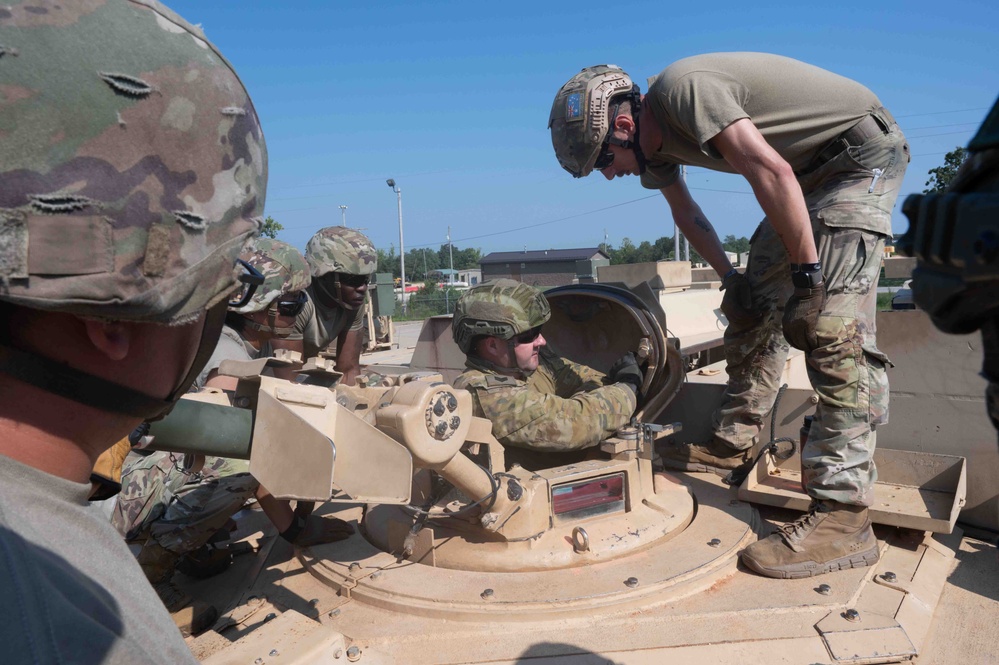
x=831, y=536
x=711, y=457
x=158, y=564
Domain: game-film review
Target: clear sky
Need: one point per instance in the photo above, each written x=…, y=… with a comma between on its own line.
x=451, y=99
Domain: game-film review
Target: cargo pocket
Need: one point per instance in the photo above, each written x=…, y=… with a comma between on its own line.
x=877, y=383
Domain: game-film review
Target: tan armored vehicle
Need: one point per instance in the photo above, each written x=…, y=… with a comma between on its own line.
x=466, y=552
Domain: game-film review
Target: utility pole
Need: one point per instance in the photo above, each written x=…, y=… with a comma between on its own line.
x=402, y=249
x=450, y=277
x=343, y=215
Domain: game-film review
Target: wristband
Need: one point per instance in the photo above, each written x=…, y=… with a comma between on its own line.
x=731, y=272
x=806, y=267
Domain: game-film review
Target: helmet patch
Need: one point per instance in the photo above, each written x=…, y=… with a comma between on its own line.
x=574, y=107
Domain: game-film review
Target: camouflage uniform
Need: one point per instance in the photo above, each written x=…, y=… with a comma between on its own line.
x=851, y=217
x=560, y=406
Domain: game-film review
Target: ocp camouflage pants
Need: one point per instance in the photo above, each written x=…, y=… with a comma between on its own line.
x=849, y=200
x=178, y=509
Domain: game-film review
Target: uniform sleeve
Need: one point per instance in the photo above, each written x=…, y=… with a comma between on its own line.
x=357, y=320
x=701, y=104
x=570, y=377
x=527, y=418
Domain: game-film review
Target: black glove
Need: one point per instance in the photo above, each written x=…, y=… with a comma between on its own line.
x=801, y=315
x=737, y=303
x=625, y=370
x=316, y=530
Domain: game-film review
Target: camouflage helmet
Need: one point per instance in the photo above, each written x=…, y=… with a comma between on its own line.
x=501, y=308
x=579, y=119
x=284, y=270
x=132, y=163
x=341, y=249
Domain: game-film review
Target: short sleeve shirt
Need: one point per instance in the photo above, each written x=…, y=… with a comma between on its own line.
x=318, y=326
x=798, y=108
x=231, y=346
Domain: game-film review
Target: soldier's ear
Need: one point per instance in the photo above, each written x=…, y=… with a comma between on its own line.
x=112, y=338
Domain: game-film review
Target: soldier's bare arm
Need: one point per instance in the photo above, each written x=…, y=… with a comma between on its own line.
x=348, y=355
x=695, y=225
x=774, y=184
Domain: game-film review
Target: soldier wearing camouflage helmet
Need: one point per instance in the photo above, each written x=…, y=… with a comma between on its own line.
x=132, y=172
x=825, y=160
x=172, y=511
x=535, y=399
x=342, y=262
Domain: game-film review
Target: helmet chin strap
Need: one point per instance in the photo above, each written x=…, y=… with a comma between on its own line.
x=635, y=97
x=337, y=295
x=60, y=379
x=277, y=331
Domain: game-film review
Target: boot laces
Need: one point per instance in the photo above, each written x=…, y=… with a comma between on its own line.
x=801, y=527
x=173, y=598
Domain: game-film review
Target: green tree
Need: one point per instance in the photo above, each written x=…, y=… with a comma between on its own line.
x=941, y=176
x=270, y=227
x=737, y=245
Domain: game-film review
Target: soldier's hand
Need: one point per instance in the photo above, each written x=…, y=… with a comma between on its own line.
x=319, y=530
x=801, y=315
x=625, y=370
x=737, y=303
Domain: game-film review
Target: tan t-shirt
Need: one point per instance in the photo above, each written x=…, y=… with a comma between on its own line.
x=798, y=108
x=318, y=326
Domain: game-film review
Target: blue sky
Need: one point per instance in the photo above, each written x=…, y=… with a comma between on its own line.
x=451, y=99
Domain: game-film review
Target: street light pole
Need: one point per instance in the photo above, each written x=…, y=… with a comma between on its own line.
x=343, y=215
x=402, y=248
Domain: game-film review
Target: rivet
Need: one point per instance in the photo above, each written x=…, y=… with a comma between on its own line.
x=354, y=567
x=314, y=602
x=375, y=575
x=714, y=542
x=274, y=652
x=824, y=589
x=890, y=577
x=631, y=582
x=852, y=615
x=338, y=653
x=258, y=661
x=814, y=399
x=334, y=614
x=242, y=402
x=270, y=616
x=353, y=653
x=439, y=408
x=488, y=593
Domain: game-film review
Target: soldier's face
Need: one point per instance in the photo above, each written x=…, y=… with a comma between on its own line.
x=526, y=353
x=625, y=163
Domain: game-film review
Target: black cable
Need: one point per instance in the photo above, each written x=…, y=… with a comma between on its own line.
x=737, y=476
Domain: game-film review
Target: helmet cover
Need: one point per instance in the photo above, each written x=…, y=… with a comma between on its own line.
x=284, y=270
x=501, y=308
x=132, y=163
x=579, y=119
x=341, y=249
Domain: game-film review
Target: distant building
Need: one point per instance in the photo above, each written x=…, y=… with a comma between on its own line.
x=458, y=278
x=544, y=268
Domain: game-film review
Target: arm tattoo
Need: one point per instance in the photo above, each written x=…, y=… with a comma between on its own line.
x=702, y=224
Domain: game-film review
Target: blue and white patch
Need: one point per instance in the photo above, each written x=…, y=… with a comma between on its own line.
x=574, y=107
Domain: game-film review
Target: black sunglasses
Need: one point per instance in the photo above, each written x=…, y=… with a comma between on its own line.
x=292, y=306
x=248, y=283
x=353, y=281
x=604, y=159
x=529, y=336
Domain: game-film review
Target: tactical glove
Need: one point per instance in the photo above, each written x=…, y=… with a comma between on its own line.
x=737, y=303
x=316, y=530
x=801, y=315
x=625, y=370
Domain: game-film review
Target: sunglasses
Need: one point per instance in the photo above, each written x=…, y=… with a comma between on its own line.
x=529, y=336
x=353, y=281
x=248, y=283
x=604, y=159
x=291, y=306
